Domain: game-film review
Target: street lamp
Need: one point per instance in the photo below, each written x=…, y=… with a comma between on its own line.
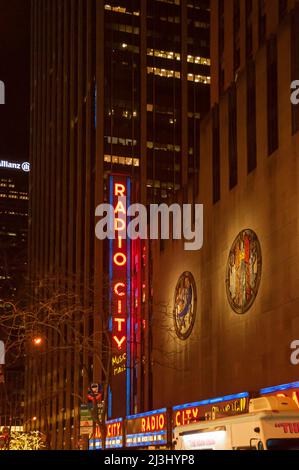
x=38, y=341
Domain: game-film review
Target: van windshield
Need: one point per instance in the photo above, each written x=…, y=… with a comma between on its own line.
x=283, y=444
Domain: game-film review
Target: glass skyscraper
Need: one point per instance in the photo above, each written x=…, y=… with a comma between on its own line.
x=116, y=88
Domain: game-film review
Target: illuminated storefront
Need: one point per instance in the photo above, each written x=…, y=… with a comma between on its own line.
x=154, y=429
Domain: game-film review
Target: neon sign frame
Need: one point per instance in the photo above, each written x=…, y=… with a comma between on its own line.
x=120, y=292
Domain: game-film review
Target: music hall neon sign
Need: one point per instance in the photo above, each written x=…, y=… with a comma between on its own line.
x=119, y=278
x=120, y=296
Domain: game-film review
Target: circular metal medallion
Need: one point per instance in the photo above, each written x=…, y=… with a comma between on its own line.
x=185, y=304
x=243, y=272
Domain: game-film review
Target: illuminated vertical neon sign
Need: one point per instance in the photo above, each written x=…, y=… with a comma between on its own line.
x=120, y=298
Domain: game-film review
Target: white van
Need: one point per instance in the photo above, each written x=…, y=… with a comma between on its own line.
x=271, y=424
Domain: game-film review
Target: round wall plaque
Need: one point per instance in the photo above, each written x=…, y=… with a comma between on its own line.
x=243, y=272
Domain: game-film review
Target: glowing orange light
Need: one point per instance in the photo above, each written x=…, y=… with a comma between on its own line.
x=114, y=430
x=117, y=289
x=37, y=341
x=119, y=342
x=120, y=208
x=120, y=243
x=120, y=259
x=119, y=225
x=119, y=306
x=119, y=190
x=119, y=322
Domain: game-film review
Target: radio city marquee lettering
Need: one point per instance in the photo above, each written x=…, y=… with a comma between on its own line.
x=114, y=437
x=147, y=429
x=114, y=429
x=15, y=166
x=198, y=412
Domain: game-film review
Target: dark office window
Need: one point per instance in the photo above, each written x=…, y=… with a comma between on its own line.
x=221, y=25
x=221, y=44
x=237, y=58
x=221, y=79
x=237, y=55
x=251, y=117
x=248, y=7
x=249, y=34
x=237, y=15
x=283, y=8
x=248, y=40
x=272, y=81
x=262, y=22
x=295, y=63
x=216, y=155
x=232, y=137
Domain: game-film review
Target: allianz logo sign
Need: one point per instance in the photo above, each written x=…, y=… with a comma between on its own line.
x=2, y=92
x=25, y=166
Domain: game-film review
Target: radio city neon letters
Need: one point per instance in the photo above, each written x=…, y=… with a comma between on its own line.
x=114, y=430
x=120, y=260
x=117, y=288
x=184, y=417
x=153, y=423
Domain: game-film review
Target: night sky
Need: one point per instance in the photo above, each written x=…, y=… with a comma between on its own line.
x=15, y=73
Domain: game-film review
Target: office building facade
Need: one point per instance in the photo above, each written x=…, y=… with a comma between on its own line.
x=14, y=179
x=227, y=315
x=117, y=88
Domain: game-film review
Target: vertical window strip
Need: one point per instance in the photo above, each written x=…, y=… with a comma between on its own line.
x=251, y=117
x=216, y=155
x=295, y=63
x=272, y=94
x=232, y=138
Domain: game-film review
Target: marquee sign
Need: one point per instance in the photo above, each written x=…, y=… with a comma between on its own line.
x=210, y=409
x=114, y=438
x=120, y=298
x=147, y=429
